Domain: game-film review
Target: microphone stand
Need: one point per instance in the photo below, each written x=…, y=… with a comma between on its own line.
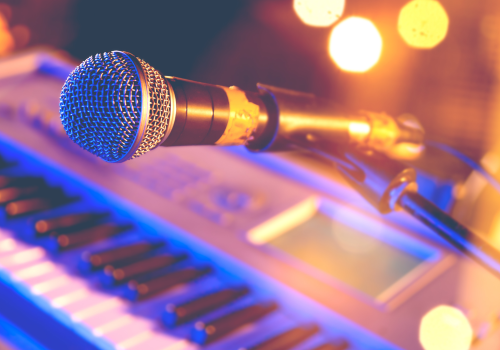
x=390, y=185
x=296, y=119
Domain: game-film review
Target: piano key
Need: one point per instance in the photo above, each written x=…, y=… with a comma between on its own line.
x=180, y=345
x=59, y=224
x=286, y=340
x=135, y=340
x=130, y=330
x=14, y=193
x=70, y=298
x=178, y=314
x=147, y=289
x=95, y=298
x=207, y=332
x=36, y=204
x=341, y=346
x=96, y=308
x=161, y=341
x=86, y=236
x=93, y=261
x=23, y=257
x=58, y=271
x=71, y=285
x=108, y=321
x=49, y=285
x=36, y=270
x=7, y=245
x=125, y=273
x=113, y=324
x=20, y=181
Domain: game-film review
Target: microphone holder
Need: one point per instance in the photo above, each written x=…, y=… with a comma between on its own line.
x=390, y=185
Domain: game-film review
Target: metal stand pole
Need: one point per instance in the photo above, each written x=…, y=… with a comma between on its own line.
x=390, y=185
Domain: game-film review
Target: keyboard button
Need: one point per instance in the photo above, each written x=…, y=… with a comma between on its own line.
x=286, y=340
x=207, y=332
x=61, y=224
x=118, y=275
x=140, y=291
x=86, y=236
x=98, y=260
x=49, y=200
x=178, y=314
x=10, y=194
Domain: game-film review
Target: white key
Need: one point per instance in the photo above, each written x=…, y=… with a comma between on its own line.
x=159, y=341
x=57, y=272
x=96, y=322
x=22, y=257
x=132, y=329
x=35, y=270
x=94, y=305
x=9, y=245
x=13, y=269
x=114, y=325
x=92, y=299
x=72, y=285
x=136, y=340
x=70, y=298
x=45, y=286
x=181, y=345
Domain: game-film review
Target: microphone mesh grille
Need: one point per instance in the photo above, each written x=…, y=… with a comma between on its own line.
x=159, y=110
x=100, y=106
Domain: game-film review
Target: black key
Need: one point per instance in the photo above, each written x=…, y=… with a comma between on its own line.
x=117, y=275
x=205, y=333
x=98, y=260
x=66, y=223
x=50, y=200
x=10, y=194
x=86, y=236
x=286, y=340
x=140, y=291
x=341, y=346
x=178, y=314
x=20, y=181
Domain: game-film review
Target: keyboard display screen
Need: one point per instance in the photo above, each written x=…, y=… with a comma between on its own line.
x=362, y=261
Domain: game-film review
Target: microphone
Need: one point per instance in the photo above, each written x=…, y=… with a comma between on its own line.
x=118, y=107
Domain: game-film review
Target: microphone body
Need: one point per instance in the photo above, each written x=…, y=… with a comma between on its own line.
x=275, y=118
x=118, y=107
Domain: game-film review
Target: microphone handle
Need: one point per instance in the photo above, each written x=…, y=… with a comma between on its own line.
x=205, y=114
x=273, y=119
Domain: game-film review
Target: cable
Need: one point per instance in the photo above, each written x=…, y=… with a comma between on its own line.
x=471, y=163
x=465, y=240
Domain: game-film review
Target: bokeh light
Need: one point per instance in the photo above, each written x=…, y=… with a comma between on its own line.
x=423, y=23
x=319, y=13
x=445, y=328
x=7, y=42
x=355, y=45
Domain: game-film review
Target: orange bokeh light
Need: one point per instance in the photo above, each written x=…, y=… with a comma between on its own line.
x=7, y=42
x=423, y=24
x=319, y=13
x=445, y=328
x=355, y=44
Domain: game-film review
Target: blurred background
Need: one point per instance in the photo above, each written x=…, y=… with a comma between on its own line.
x=439, y=61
